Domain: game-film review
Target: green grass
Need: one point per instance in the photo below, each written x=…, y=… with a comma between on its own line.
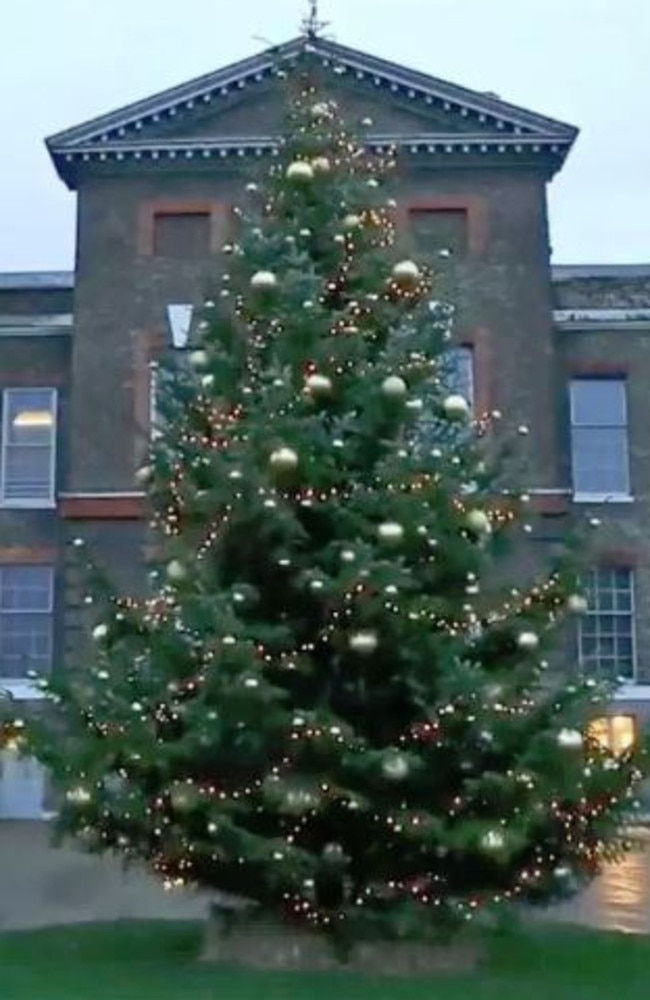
x=157, y=961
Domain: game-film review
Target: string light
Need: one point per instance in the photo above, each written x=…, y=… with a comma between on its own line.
x=204, y=670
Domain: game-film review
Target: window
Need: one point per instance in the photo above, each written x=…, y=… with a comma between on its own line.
x=606, y=642
x=458, y=367
x=28, y=447
x=22, y=786
x=26, y=605
x=181, y=234
x=599, y=450
x=154, y=416
x=436, y=230
x=457, y=371
x=174, y=370
x=616, y=733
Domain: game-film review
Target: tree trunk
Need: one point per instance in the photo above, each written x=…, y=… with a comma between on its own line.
x=259, y=942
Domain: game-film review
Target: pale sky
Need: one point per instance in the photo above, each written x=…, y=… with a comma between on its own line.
x=586, y=62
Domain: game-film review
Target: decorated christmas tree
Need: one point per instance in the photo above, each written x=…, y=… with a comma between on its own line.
x=330, y=704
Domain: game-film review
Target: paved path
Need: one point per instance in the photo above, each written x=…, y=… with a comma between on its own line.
x=41, y=886
x=619, y=900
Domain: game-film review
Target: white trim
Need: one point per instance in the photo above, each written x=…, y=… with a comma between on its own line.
x=553, y=491
x=18, y=281
x=591, y=326
x=27, y=504
x=602, y=498
x=154, y=381
x=568, y=272
x=179, y=317
x=30, y=503
x=102, y=495
x=36, y=326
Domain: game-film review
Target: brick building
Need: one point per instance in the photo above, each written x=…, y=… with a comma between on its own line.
x=565, y=349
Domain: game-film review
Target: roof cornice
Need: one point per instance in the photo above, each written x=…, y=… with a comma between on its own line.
x=573, y=272
x=17, y=281
x=438, y=142
x=123, y=133
x=578, y=320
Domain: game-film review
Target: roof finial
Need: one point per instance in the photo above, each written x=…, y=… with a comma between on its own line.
x=311, y=25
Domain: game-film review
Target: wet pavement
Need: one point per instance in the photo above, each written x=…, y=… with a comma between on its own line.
x=619, y=900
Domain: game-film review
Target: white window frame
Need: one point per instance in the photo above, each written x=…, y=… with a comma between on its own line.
x=427, y=420
x=469, y=351
x=627, y=682
x=23, y=688
x=154, y=384
x=619, y=496
x=30, y=503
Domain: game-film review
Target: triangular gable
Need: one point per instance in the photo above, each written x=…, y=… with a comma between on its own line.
x=442, y=113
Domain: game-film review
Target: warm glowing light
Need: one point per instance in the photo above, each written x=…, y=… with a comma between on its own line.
x=616, y=733
x=28, y=419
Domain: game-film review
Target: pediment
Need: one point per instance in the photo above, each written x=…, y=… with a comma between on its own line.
x=261, y=112
x=241, y=106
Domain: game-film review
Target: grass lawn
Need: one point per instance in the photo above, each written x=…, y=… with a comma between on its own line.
x=156, y=961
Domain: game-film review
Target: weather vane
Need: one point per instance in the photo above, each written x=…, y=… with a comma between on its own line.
x=311, y=24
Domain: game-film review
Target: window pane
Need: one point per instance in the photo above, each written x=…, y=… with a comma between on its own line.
x=589, y=646
x=624, y=648
x=600, y=460
x=28, y=473
x=29, y=416
x=25, y=644
x=25, y=588
x=458, y=371
x=606, y=633
x=29, y=427
x=598, y=402
x=605, y=600
x=25, y=620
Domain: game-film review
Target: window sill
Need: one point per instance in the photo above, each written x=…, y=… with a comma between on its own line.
x=27, y=504
x=632, y=692
x=602, y=498
x=21, y=691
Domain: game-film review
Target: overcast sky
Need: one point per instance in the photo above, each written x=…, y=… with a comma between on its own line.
x=582, y=61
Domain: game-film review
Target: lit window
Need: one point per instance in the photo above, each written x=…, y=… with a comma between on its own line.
x=606, y=645
x=28, y=447
x=599, y=445
x=616, y=733
x=26, y=605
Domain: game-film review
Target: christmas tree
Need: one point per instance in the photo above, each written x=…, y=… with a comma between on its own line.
x=328, y=705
